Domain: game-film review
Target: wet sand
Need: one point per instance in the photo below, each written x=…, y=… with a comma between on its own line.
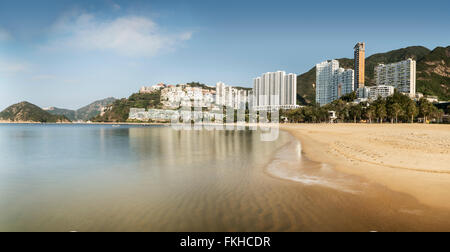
x=409, y=158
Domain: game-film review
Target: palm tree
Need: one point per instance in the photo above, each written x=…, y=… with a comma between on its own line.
x=439, y=114
x=356, y=111
x=370, y=113
x=380, y=109
x=396, y=110
x=425, y=109
x=411, y=110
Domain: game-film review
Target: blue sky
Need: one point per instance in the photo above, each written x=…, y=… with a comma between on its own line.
x=68, y=53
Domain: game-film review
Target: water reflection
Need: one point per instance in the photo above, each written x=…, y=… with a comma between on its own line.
x=100, y=178
x=81, y=173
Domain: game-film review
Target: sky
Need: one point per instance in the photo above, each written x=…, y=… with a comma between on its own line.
x=68, y=53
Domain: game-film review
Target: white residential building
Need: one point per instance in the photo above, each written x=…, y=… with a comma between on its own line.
x=400, y=75
x=220, y=93
x=147, y=90
x=343, y=81
x=174, y=97
x=275, y=90
x=380, y=91
x=332, y=82
x=230, y=96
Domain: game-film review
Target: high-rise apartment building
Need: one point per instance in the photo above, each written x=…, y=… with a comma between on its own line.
x=332, y=82
x=360, y=64
x=230, y=96
x=343, y=81
x=220, y=93
x=400, y=75
x=275, y=90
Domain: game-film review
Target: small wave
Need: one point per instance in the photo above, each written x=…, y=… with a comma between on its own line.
x=290, y=164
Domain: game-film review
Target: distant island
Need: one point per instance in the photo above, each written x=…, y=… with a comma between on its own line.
x=27, y=112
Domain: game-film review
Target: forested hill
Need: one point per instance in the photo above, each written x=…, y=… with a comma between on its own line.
x=27, y=112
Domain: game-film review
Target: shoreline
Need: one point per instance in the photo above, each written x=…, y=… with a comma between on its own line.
x=411, y=159
x=81, y=123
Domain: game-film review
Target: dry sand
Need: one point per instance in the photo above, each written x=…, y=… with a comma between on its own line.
x=408, y=158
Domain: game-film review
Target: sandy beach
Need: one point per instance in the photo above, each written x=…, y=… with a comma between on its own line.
x=407, y=158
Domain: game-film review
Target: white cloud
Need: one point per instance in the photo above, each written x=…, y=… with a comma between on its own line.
x=44, y=77
x=4, y=35
x=116, y=6
x=128, y=35
x=13, y=67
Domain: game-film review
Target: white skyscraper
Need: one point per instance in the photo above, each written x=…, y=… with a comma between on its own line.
x=229, y=96
x=324, y=81
x=289, y=90
x=220, y=93
x=400, y=75
x=275, y=90
x=332, y=82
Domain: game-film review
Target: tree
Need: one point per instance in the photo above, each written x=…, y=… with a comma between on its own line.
x=356, y=111
x=411, y=110
x=340, y=107
x=380, y=109
x=349, y=97
x=397, y=109
x=370, y=113
x=439, y=114
x=425, y=109
x=393, y=110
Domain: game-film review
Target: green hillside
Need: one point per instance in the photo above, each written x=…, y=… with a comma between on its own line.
x=94, y=109
x=85, y=113
x=199, y=85
x=433, y=73
x=70, y=114
x=120, y=109
x=27, y=112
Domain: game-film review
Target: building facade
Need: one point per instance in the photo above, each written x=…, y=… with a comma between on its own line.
x=173, y=97
x=275, y=90
x=360, y=64
x=230, y=96
x=400, y=75
x=343, y=81
x=380, y=91
x=332, y=82
x=362, y=93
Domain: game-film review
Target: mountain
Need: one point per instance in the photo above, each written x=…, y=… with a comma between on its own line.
x=85, y=113
x=70, y=114
x=94, y=109
x=120, y=109
x=432, y=71
x=27, y=112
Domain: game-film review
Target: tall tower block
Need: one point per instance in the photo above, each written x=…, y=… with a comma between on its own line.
x=360, y=64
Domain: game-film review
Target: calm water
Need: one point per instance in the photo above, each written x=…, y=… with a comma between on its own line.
x=100, y=178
